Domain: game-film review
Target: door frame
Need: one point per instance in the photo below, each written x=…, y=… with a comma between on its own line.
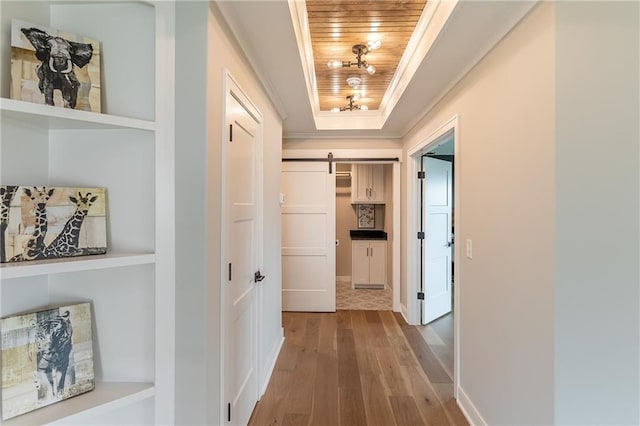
x=371, y=153
x=230, y=88
x=412, y=247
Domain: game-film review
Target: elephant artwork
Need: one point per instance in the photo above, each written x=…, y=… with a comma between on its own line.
x=54, y=68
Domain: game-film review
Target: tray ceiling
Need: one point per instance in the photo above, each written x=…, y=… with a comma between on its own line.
x=450, y=37
x=335, y=26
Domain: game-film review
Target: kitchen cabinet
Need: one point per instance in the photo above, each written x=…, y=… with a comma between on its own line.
x=369, y=263
x=367, y=184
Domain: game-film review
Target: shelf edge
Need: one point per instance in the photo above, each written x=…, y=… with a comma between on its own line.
x=85, y=263
x=71, y=115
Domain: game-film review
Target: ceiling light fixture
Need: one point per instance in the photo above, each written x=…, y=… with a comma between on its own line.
x=360, y=50
x=354, y=81
x=352, y=105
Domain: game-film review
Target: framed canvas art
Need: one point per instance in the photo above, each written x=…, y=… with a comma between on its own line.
x=366, y=216
x=53, y=67
x=51, y=222
x=47, y=357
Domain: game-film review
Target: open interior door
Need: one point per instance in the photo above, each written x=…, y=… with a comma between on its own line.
x=437, y=246
x=308, y=237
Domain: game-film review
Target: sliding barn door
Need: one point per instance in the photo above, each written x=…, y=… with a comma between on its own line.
x=308, y=237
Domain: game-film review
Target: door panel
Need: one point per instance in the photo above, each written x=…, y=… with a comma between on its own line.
x=360, y=258
x=437, y=251
x=378, y=262
x=308, y=238
x=241, y=378
x=377, y=183
x=361, y=179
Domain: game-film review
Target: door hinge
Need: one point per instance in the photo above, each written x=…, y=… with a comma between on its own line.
x=229, y=271
x=229, y=412
x=420, y=295
x=230, y=132
x=422, y=174
x=421, y=235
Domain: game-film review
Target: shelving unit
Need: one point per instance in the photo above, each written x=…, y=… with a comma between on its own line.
x=127, y=149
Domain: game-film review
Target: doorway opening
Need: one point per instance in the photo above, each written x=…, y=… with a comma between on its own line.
x=364, y=236
x=424, y=265
x=437, y=212
x=309, y=244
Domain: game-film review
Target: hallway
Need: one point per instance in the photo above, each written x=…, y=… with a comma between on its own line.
x=356, y=368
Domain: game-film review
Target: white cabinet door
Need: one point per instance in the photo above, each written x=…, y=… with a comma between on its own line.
x=360, y=259
x=360, y=183
x=378, y=262
x=369, y=263
x=367, y=184
x=376, y=184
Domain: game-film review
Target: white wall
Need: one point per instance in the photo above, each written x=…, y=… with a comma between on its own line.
x=346, y=220
x=549, y=194
x=505, y=108
x=205, y=50
x=597, y=249
x=191, y=214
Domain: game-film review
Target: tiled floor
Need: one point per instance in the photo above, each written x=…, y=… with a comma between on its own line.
x=362, y=299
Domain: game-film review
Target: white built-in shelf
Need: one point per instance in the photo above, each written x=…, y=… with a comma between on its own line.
x=53, y=117
x=73, y=264
x=106, y=397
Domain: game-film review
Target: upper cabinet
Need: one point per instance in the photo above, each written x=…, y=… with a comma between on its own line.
x=367, y=184
x=126, y=148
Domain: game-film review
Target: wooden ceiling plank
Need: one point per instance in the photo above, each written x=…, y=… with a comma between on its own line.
x=336, y=25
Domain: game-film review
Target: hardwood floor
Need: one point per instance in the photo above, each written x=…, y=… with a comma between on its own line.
x=356, y=368
x=439, y=337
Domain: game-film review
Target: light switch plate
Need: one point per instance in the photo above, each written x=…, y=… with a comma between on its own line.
x=469, y=249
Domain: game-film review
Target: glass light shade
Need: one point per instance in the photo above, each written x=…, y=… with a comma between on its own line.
x=355, y=97
x=336, y=109
x=371, y=69
x=374, y=44
x=364, y=108
x=334, y=64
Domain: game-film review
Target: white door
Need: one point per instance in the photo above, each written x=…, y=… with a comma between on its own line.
x=437, y=253
x=240, y=364
x=308, y=237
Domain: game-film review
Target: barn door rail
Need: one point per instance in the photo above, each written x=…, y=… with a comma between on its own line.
x=330, y=159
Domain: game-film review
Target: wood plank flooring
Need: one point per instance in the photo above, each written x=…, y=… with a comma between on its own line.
x=356, y=368
x=439, y=337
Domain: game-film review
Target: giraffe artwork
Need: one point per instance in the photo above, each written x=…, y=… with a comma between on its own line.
x=6, y=193
x=67, y=242
x=49, y=223
x=34, y=246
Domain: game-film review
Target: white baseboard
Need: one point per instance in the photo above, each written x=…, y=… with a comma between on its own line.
x=405, y=313
x=469, y=409
x=344, y=278
x=271, y=364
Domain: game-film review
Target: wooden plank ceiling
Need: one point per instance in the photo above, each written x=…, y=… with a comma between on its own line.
x=337, y=25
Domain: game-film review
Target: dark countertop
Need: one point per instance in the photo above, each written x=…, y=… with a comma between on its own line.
x=368, y=234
